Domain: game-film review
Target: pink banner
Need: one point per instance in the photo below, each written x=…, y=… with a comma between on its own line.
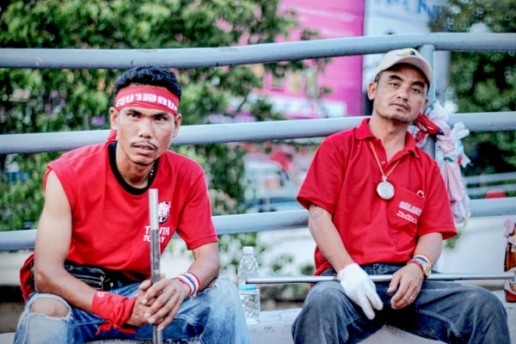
x=303, y=94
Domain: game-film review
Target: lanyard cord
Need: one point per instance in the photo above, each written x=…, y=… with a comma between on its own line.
x=384, y=176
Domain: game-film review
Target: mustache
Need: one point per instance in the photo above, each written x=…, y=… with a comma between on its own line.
x=401, y=103
x=144, y=143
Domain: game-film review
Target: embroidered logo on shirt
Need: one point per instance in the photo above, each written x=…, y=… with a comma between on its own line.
x=406, y=216
x=408, y=212
x=163, y=211
x=410, y=208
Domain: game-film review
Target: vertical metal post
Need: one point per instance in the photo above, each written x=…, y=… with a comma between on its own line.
x=154, y=251
x=427, y=51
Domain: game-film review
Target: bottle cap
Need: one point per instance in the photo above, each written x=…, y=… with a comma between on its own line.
x=248, y=250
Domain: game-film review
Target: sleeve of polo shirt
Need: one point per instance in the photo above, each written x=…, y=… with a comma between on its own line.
x=437, y=216
x=322, y=183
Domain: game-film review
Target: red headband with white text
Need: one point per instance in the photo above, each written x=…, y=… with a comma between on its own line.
x=150, y=97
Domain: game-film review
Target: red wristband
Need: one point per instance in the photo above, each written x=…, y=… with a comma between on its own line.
x=115, y=309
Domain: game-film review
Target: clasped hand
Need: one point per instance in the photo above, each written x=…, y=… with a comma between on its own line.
x=158, y=303
x=359, y=287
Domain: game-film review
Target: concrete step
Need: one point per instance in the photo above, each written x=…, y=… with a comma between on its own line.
x=275, y=327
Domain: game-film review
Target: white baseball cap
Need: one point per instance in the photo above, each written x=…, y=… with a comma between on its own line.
x=409, y=56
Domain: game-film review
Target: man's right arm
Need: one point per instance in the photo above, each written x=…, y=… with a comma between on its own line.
x=356, y=283
x=327, y=238
x=52, y=246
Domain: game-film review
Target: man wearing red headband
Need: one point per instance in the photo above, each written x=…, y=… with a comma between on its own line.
x=89, y=276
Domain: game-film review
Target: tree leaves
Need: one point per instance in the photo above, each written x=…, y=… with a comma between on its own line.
x=67, y=100
x=483, y=81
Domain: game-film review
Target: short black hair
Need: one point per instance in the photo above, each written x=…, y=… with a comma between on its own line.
x=149, y=75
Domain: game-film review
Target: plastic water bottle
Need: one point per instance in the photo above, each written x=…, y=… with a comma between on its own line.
x=249, y=293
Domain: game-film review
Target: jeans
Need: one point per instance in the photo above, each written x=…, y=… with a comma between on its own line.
x=445, y=311
x=215, y=315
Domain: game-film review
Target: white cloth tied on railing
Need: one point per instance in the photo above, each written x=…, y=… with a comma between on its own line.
x=449, y=155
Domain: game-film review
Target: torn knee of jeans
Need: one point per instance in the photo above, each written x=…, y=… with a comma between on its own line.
x=51, y=307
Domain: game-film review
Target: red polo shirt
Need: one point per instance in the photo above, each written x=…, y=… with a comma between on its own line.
x=342, y=180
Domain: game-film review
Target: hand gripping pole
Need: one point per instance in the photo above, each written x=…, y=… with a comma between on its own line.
x=154, y=251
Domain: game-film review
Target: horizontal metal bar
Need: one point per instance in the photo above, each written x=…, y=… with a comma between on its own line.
x=17, y=240
x=485, y=121
x=248, y=54
x=381, y=278
x=490, y=178
x=234, y=132
x=191, y=134
x=482, y=190
x=260, y=222
x=493, y=207
x=225, y=224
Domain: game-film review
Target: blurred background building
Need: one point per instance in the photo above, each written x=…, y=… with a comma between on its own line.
x=340, y=89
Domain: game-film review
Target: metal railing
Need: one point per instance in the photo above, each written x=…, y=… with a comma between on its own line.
x=237, y=132
x=260, y=222
x=249, y=54
x=278, y=130
x=489, y=183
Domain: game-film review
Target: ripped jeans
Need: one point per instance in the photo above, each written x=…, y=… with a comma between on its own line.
x=215, y=315
x=445, y=311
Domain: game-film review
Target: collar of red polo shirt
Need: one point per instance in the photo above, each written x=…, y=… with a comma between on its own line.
x=150, y=97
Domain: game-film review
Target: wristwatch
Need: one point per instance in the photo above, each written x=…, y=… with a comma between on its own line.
x=425, y=266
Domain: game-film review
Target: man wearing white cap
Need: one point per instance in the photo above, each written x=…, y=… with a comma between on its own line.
x=378, y=205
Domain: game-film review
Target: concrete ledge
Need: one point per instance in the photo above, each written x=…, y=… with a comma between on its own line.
x=275, y=327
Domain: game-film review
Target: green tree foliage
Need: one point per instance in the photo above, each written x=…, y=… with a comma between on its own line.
x=67, y=100
x=483, y=81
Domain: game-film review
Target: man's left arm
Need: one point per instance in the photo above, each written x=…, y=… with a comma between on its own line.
x=206, y=264
x=406, y=282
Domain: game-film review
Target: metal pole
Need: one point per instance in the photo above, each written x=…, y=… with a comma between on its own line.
x=428, y=53
x=154, y=251
x=381, y=278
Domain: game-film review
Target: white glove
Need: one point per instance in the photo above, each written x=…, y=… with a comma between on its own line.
x=359, y=287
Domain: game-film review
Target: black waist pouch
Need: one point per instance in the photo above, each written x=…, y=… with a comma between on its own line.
x=95, y=277
x=99, y=278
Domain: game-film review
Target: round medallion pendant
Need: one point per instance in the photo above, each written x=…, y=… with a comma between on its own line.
x=385, y=190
